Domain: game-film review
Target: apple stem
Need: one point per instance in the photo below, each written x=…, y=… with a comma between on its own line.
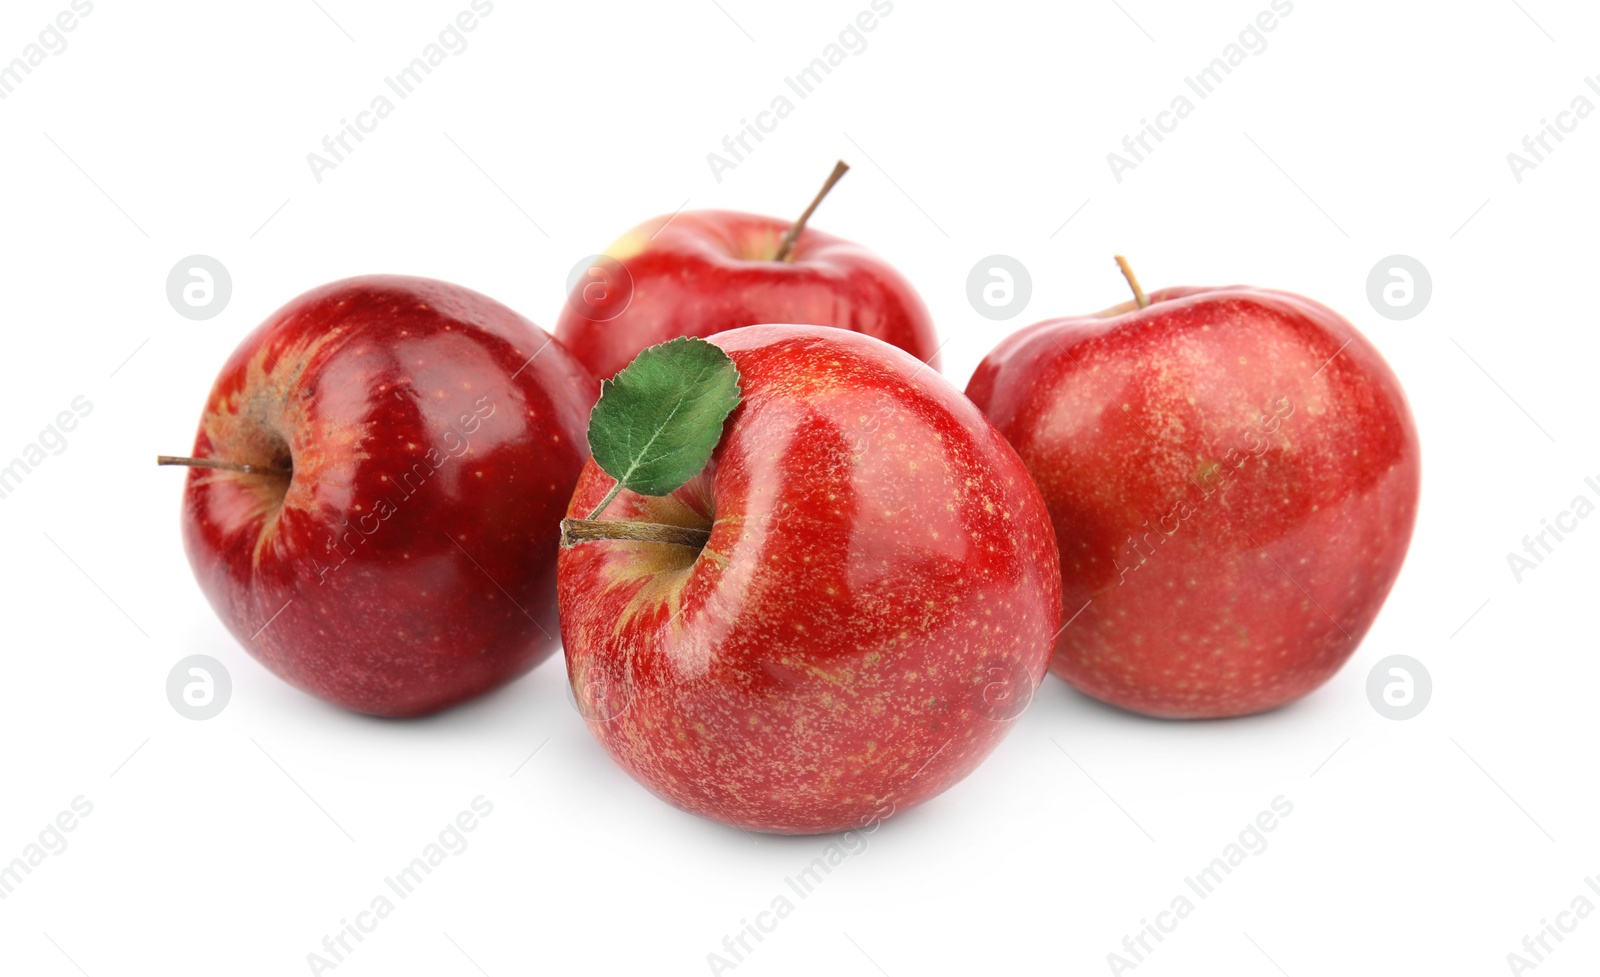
x=220, y=465
x=1133, y=281
x=574, y=531
x=839, y=170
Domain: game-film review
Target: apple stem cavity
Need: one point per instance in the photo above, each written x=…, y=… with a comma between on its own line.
x=1133, y=281
x=220, y=465
x=574, y=531
x=787, y=245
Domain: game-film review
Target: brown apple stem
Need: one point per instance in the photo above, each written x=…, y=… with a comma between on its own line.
x=1133, y=281
x=574, y=531
x=839, y=169
x=220, y=465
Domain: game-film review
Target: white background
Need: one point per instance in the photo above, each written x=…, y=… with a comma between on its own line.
x=1364, y=129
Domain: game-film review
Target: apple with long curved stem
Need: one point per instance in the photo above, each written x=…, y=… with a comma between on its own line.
x=697, y=273
x=832, y=610
x=377, y=482
x=1233, y=477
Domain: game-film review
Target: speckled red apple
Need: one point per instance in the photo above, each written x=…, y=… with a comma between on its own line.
x=701, y=272
x=1232, y=474
x=409, y=448
x=875, y=603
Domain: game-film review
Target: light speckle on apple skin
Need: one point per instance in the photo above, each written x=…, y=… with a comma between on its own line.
x=358, y=381
x=1265, y=589
x=701, y=272
x=825, y=658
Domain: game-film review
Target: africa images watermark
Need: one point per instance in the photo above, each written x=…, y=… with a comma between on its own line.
x=1536, y=147
x=1536, y=946
x=1251, y=840
x=851, y=40
x=453, y=444
x=451, y=40
x=50, y=841
x=451, y=840
x=1556, y=530
x=52, y=439
x=51, y=41
x=1251, y=41
x=737, y=946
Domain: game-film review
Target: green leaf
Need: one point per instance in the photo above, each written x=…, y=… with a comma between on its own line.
x=658, y=421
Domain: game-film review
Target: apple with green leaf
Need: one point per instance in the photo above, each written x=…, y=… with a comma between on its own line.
x=803, y=583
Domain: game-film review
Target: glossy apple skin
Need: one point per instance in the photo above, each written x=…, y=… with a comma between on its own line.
x=1206, y=591
x=703, y=272
x=409, y=562
x=874, y=607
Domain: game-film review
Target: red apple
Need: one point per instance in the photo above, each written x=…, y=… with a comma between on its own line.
x=701, y=272
x=395, y=455
x=874, y=604
x=1232, y=474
